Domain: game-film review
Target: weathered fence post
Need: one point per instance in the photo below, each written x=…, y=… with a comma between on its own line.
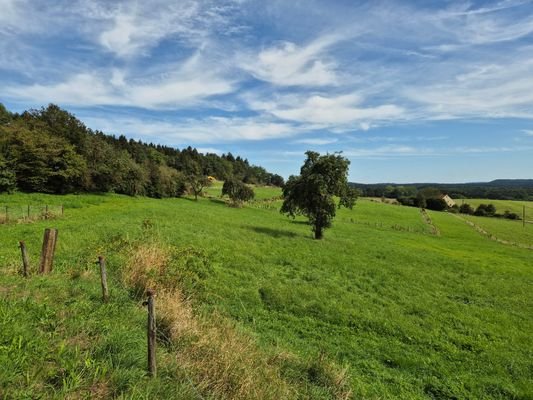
x=103, y=275
x=28, y=211
x=62, y=210
x=25, y=261
x=151, y=333
x=46, y=212
x=48, y=249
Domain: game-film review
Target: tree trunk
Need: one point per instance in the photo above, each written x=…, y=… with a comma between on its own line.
x=318, y=232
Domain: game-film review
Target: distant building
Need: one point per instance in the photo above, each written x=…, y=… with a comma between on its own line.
x=449, y=201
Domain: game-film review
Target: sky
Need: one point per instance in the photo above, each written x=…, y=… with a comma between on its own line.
x=409, y=91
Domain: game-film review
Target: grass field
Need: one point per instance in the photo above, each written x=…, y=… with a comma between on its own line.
x=509, y=230
x=381, y=306
x=514, y=206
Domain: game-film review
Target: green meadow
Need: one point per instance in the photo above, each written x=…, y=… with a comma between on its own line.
x=384, y=307
x=514, y=206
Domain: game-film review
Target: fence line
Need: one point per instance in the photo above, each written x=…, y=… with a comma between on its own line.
x=491, y=236
x=29, y=213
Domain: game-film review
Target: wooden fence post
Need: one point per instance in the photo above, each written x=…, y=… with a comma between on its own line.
x=151, y=333
x=62, y=210
x=28, y=211
x=48, y=249
x=25, y=261
x=103, y=275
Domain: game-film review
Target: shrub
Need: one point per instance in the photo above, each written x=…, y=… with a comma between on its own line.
x=436, y=204
x=466, y=208
x=511, y=215
x=488, y=210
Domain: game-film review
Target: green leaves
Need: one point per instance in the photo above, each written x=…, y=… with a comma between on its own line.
x=237, y=191
x=312, y=192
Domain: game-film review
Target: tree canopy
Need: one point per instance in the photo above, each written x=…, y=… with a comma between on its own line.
x=50, y=150
x=237, y=191
x=312, y=192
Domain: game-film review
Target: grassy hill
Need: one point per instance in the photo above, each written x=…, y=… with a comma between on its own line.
x=389, y=305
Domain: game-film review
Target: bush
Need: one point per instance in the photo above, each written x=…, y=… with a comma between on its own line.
x=511, y=215
x=436, y=204
x=466, y=208
x=485, y=210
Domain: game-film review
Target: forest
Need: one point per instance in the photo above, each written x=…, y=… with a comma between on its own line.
x=49, y=150
x=500, y=189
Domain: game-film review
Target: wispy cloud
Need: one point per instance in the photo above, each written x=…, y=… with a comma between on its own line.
x=495, y=90
x=287, y=64
x=203, y=131
x=316, y=141
x=136, y=27
x=370, y=78
x=328, y=111
x=183, y=87
x=389, y=151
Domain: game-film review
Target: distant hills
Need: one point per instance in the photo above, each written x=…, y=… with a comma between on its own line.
x=498, y=189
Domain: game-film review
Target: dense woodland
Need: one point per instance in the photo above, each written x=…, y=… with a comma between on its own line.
x=50, y=150
x=501, y=189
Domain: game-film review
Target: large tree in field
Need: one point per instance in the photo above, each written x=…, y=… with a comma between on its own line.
x=196, y=179
x=312, y=192
x=237, y=191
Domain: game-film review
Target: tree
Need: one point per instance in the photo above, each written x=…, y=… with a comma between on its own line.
x=5, y=115
x=43, y=163
x=436, y=204
x=237, y=191
x=311, y=193
x=196, y=180
x=8, y=181
x=277, y=180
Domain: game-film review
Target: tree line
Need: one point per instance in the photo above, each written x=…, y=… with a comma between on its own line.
x=501, y=189
x=50, y=150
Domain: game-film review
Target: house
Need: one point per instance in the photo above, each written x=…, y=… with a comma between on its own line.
x=449, y=201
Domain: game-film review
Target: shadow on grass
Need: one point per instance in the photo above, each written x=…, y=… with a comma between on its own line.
x=218, y=201
x=190, y=199
x=300, y=222
x=276, y=233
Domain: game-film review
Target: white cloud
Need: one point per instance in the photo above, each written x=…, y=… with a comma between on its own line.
x=394, y=72
x=191, y=82
x=389, y=151
x=210, y=150
x=133, y=28
x=287, y=64
x=329, y=111
x=205, y=131
x=485, y=25
x=495, y=90
x=395, y=150
x=528, y=132
x=316, y=141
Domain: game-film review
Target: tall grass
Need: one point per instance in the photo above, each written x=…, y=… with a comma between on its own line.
x=372, y=311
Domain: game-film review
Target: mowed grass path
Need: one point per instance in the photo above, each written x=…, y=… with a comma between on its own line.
x=410, y=314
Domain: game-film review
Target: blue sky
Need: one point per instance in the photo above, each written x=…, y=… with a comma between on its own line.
x=409, y=91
